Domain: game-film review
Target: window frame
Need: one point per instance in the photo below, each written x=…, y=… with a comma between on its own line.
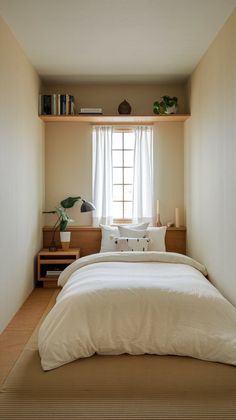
x=123, y=201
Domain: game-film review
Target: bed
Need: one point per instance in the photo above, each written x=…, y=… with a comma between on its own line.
x=152, y=302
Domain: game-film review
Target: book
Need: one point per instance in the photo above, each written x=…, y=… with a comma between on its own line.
x=40, y=104
x=54, y=104
x=46, y=104
x=58, y=104
x=53, y=272
x=71, y=105
x=90, y=111
x=62, y=104
x=67, y=104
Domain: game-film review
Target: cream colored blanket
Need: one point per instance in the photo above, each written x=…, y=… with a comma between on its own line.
x=156, y=303
x=169, y=257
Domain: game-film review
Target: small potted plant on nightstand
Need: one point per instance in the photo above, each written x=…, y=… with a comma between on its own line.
x=63, y=219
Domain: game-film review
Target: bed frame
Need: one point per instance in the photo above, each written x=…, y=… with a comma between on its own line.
x=88, y=239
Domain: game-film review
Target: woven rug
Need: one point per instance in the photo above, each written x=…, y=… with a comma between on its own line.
x=118, y=387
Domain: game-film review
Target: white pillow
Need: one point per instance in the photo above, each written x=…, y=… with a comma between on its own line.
x=131, y=244
x=157, y=236
x=107, y=245
x=139, y=226
x=132, y=233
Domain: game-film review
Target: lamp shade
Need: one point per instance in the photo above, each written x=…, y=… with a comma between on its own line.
x=87, y=206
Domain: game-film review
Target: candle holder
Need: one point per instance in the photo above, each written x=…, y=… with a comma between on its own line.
x=177, y=220
x=158, y=220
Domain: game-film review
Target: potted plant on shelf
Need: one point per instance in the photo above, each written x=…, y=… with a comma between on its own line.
x=167, y=106
x=63, y=219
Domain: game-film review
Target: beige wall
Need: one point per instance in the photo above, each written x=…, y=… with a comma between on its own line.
x=140, y=97
x=69, y=167
x=210, y=150
x=69, y=148
x=169, y=169
x=21, y=175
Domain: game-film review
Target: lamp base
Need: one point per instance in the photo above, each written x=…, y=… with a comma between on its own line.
x=52, y=247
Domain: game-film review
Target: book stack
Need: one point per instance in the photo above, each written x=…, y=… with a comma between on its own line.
x=90, y=111
x=53, y=273
x=56, y=104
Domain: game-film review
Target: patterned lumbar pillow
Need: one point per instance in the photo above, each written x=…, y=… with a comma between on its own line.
x=132, y=244
x=113, y=231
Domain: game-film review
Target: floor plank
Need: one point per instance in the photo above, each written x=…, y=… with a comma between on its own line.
x=19, y=330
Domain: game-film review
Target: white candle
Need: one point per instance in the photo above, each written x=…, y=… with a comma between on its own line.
x=177, y=223
x=158, y=207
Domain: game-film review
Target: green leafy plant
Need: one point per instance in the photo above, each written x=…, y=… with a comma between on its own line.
x=62, y=217
x=163, y=106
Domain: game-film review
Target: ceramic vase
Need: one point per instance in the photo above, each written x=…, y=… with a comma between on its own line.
x=124, y=108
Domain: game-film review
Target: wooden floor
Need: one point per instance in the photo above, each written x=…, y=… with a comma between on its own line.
x=19, y=330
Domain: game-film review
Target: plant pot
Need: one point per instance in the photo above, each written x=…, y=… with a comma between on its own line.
x=171, y=110
x=65, y=240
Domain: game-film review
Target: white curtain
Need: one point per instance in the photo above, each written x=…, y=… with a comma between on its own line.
x=143, y=175
x=102, y=175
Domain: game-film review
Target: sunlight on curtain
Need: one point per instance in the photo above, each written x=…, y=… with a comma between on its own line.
x=143, y=175
x=102, y=175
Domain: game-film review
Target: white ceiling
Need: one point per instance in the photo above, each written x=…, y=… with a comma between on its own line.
x=115, y=40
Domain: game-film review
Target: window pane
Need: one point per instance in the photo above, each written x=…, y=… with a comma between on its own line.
x=128, y=175
x=129, y=140
x=117, y=176
x=117, y=192
x=123, y=161
x=128, y=210
x=117, y=141
x=128, y=192
x=128, y=158
x=117, y=210
x=117, y=158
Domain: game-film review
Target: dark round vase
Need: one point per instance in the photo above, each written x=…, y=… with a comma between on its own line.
x=124, y=108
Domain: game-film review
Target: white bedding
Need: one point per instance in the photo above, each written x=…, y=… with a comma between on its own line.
x=156, y=303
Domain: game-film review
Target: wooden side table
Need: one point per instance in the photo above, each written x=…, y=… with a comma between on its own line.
x=51, y=264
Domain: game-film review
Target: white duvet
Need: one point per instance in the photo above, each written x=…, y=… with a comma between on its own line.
x=156, y=303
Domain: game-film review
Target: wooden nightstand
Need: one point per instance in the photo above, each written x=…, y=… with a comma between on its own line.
x=50, y=264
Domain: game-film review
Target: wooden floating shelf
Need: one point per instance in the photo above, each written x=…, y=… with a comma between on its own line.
x=115, y=119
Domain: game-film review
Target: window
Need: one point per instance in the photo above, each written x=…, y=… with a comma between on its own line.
x=122, y=174
x=123, y=171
